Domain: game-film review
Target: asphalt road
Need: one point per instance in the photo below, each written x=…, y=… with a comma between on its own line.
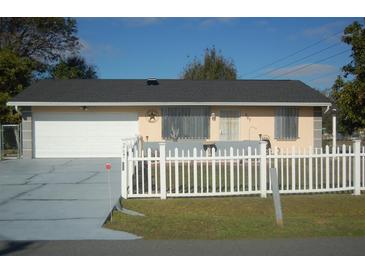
x=313, y=246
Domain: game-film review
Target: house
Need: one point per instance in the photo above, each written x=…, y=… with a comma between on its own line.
x=88, y=118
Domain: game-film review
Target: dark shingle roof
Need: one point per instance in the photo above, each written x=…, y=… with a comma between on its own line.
x=236, y=91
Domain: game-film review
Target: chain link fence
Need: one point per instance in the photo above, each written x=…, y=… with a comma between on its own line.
x=10, y=141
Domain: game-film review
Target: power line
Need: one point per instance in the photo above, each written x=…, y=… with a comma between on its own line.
x=292, y=54
x=298, y=60
x=322, y=76
x=305, y=66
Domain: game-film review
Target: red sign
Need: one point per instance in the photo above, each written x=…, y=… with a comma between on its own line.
x=108, y=166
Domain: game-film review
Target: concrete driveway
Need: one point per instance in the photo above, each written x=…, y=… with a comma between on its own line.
x=57, y=199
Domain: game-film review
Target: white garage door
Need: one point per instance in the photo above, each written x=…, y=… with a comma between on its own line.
x=82, y=134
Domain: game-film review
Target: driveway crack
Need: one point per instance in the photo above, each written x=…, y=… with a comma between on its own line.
x=21, y=194
x=66, y=163
x=95, y=173
x=29, y=179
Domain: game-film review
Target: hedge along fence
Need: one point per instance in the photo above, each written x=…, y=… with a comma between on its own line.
x=180, y=173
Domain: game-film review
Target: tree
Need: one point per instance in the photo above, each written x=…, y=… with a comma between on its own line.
x=74, y=67
x=213, y=67
x=15, y=75
x=348, y=90
x=29, y=47
x=43, y=40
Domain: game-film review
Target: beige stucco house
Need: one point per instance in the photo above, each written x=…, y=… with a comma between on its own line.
x=89, y=118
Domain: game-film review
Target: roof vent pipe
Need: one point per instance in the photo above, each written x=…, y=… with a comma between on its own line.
x=152, y=82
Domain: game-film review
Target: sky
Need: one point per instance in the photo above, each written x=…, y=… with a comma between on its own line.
x=307, y=49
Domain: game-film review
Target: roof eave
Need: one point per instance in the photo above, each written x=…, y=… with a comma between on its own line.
x=63, y=104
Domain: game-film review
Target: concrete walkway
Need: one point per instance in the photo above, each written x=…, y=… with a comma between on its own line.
x=57, y=199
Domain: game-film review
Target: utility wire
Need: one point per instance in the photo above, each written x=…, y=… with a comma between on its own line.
x=296, y=61
x=292, y=54
x=305, y=66
x=322, y=76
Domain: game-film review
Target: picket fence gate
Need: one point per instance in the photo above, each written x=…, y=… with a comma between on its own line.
x=193, y=173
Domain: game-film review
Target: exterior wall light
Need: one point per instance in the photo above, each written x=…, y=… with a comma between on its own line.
x=213, y=115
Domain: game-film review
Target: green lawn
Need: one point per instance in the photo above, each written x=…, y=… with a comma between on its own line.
x=244, y=217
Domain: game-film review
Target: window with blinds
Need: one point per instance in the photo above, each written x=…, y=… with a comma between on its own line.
x=286, y=123
x=185, y=122
x=229, y=125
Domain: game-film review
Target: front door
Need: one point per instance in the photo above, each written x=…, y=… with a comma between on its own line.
x=229, y=125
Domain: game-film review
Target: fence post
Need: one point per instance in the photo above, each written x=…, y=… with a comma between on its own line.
x=263, y=187
x=214, y=184
x=163, y=170
x=231, y=170
x=124, y=179
x=327, y=167
x=356, y=167
x=195, y=170
x=310, y=171
x=130, y=168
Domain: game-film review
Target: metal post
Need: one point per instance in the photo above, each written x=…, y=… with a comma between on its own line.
x=20, y=134
x=110, y=196
x=108, y=166
x=356, y=168
x=276, y=196
x=263, y=187
x=163, y=170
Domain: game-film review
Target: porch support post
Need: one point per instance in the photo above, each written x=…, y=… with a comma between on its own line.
x=163, y=170
x=263, y=175
x=356, y=168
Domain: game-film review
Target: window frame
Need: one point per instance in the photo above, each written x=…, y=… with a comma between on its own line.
x=233, y=111
x=165, y=112
x=283, y=124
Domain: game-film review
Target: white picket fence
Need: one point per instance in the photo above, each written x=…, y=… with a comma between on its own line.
x=179, y=173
